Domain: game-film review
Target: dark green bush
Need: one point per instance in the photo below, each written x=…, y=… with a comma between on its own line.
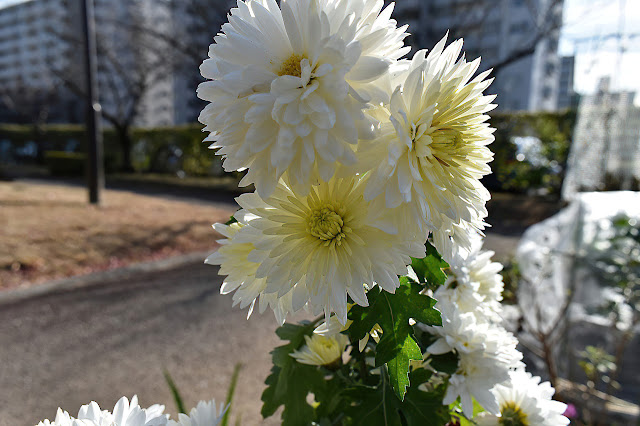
x=61, y=163
x=555, y=131
x=154, y=150
x=181, y=148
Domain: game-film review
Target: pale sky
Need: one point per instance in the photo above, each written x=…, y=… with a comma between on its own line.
x=598, y=56
x=590, y=31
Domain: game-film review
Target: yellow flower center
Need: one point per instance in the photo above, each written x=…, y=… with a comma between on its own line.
x=292, y=66
x=327, y=224
x=447, y=139
x=512, y=415
x=442, y=144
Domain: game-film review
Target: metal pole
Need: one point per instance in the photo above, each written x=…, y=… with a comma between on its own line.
x=95, y=167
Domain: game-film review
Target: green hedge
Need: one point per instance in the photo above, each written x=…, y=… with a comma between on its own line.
x=555, y=132
x=152, y=148
x=61, y=163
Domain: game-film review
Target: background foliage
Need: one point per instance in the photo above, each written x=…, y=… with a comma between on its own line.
x=555, y=132
x=180, y=149
x=158, y=150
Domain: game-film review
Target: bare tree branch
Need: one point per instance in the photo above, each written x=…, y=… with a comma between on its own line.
x=545, y=25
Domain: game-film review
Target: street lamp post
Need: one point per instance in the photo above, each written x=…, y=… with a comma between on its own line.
x=95, y=167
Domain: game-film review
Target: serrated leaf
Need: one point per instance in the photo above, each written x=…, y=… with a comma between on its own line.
x=373, y=406
x=397, y=345
x=290, y=382
x=379, y=407
x=422, y=408
x=430, y=269
x=398, y=367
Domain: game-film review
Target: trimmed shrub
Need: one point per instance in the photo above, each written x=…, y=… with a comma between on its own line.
x=62, y=163
x=181, y=149
x=554, y=130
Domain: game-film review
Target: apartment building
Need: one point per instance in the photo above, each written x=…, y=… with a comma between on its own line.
x=567, y=97
x=138, y=71
x=605, y=153
x=41, y=52
x=493, y=30
x=28, y=51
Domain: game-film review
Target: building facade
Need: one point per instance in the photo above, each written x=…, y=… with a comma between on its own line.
x=494, y=30
x=28, y=51
x=605, y=153
x=140, y=75
x=41, y=53
x=196, y=22
x=567, y=97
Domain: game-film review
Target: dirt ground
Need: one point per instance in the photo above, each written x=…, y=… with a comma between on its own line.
x=50, y=231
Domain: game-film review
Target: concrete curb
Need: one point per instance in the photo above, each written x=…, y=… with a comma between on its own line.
x=8, y=297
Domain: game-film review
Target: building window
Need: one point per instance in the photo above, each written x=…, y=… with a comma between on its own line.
x=549, y=68
x=519, y=27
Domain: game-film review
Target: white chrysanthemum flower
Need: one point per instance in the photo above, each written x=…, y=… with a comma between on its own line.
x=204, y=414
x=486, y=351
x=124, y=413
x=330, y=243
x=236, y=257
x=432, y=149
x=64, y=419
x=332, y=326
x=474, y=284
x=453, y=239
x=320, y=350
x=289, y=85
x=524, y=401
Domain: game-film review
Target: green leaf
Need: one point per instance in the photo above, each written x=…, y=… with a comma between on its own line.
x=379, y=407
x=174, y=392
x=430, y=269
x=397, y=345
x=230, y=392
x=422, y=408
x=290, y=382
x=231, y=220
x=445, y=363
x=398, y=367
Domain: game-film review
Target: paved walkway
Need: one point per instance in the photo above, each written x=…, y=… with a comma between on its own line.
x=116, y=339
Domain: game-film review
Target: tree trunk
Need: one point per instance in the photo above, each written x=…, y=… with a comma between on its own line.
x=124, y=137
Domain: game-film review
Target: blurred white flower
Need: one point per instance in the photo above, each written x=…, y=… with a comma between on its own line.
x=320, y=350
x=64, y=419
x=524, y=401
x=431, y=151
x=486, y=351
x=125, y=413
x=327, y=244
x=204, y=414
x=233, y=256
x=289, y=85
x=453, y=239
x=474, y=284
